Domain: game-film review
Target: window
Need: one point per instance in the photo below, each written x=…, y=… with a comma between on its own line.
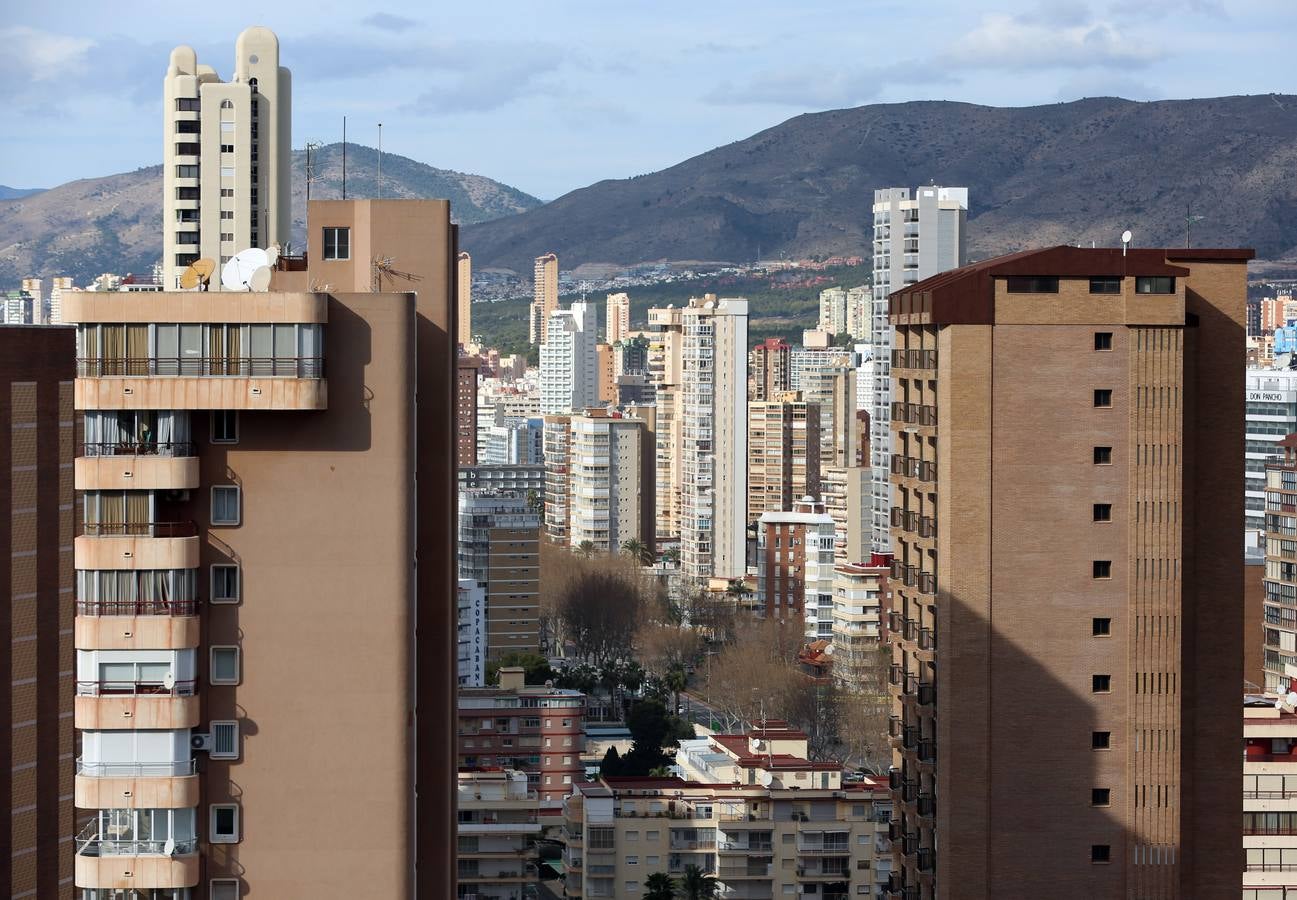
x=1106, y=284
x=186, y=104
x=1103, y=340
x=225, y=583
x=225, y=192
x=225, y=426
x=1100, y=797
x=227, y=148
x=225, y=504
x=224, y=889
x=186, y=171
x=632, y=887
x=225, y=739
x=1100, y=684
x=632, y=860
x=1154, y=284
x=1032, y=284
x=337, y=243
x=1102, y=568
x=187, y=126
x=186, y=193
x=1100, y=853
x=227, y=214
x=1100, y=740
x=1103, y=456
x=225, y=823
x=1103, y=512
x=227, y=171
x=227, y=235
x=1102, y=398
x=1101, y=627
x=224, y=665
x=186, y=149
x=227, y=104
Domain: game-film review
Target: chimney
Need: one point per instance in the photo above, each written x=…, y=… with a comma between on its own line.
x=513, y=678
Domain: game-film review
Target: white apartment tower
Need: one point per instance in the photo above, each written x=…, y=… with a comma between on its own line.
x=714, y=461
x=833, y=310
x=610, y=496
x=568, y=374
x=916, y=235
x=618, y=327
x=226, y=155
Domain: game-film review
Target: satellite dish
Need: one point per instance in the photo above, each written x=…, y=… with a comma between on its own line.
x=260, y=280
x=1291, y=699
x=198, y=273
x=204, y=267
x=169, y=848
x=236, y=275
x=273, y=252
x=168, y=681
x=189, y=279
x=1126, y=236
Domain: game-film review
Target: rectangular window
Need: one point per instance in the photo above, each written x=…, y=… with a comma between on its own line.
x=186, y=193
x=1103, y=512
x=1100, y=853
x=1103, y=456
x=186, y=104
x=224, y=889
x=1101, y=627
x=1102, y=398
x=1102, y=568
x=1105, y=284
x=1154, y=284
x=186, y=149
x=227, y=127
x=337, y=243
x=187, y=126
x=1100, y=740
x=225, y=583
x=225, y=504
x=227, y=171
x=186, y=171
x=227, y=214
x=186, y=237
x=1100, y=797
x=227, y=235
x=1032, y=284
x=225, y=192
x=227, y=148
x=1103, y=340
x=224, y=823
x=224, y=665
x=1100, y=684
x=225, y=739
x=225, y=426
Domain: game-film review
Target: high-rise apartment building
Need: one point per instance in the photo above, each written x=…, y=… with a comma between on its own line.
x=1276, y=311
x=498, y=830
x=568, y=360
x=467, y=369
x=226, y=157
x=833, y=310
x=1068, y=429
x=714, y=456
x=605, y=375
x=752, y=810
x=557, y=443
x=795, y=567
x=499, y=550
x=464, y=297
x=1271, y=415
x=618, y=327
x=1280, y=582
x=665, y=368
x=846, y=494
x=610, y=492
x=471, y=617
x=544, y=287
x=769, y=369
x=518, y=442
x=916, y=235
x=38, y=435
x=282, y=458
x=784, y=453
x=858, y=597
x=859, y=312
x=832, y=386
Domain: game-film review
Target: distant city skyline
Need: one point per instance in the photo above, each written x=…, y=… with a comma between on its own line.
x=549, y=104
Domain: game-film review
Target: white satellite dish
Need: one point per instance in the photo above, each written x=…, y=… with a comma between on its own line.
x=1126, y=236
x=236, y=275
x=169, y=848
x=1291, y=699
x=260, y=280
x=273, y=252
x=168, y=681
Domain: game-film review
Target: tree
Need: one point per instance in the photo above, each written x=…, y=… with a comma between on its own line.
x=671, y=555
x=585, y=548
x=663, y=647
x=638, y=551
x=659, y=886
x=536, y=666
x=698, y=885
x=844, y=339
x=611, y=766
x=651, y=728
x=600, y=610
x=676, y=681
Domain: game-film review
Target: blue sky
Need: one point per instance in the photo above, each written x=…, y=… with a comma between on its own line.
x=550, y=97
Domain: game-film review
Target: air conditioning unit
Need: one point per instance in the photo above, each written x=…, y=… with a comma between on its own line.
x=200, y=741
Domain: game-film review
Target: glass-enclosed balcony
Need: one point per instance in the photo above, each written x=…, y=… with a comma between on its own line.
x=147, y=848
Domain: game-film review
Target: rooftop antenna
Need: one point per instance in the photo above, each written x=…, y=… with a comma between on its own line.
x=1125, y=241
x=1189, y=219
x=380, y=160
x=311, y=147
x=382, y=268
x=344, y=157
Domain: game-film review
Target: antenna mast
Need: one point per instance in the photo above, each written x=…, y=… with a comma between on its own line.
x=380, y=160
x=344, y=157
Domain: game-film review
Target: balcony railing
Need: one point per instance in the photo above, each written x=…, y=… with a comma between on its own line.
x=92, y=842
x=135, y=689
x=233, y=366
x=139, y=448
x=1270, y=795
x=172, y=769
x=141, y=529
x=137, y=607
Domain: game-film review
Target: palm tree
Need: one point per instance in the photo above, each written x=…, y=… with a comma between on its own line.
x=698, y=885
x=659, y=886
x=671, y=555
x=676, y=680
x=638, y=551
x=585, y=548
x=736, y=588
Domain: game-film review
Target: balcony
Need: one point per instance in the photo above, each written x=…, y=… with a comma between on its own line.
x=152, y=466
x=164, y=785
x=137, y=545
x=130, y=625
x=260, y=383
x=111, y=864
x=112, y=705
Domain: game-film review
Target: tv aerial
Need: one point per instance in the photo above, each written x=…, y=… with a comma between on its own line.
x=197, y=274
x=247, y=270
x=382, y=268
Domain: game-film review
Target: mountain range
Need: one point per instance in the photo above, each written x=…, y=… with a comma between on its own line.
x=1065, y=173
x=1076, y=172
x=113, y=223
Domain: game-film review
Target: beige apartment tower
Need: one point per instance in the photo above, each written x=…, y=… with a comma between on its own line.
x=618, y=327
x=269, y=491
x=226, y=156
x=784, y=443
x=544, y=287
x=1066, y=588
x=464, y=297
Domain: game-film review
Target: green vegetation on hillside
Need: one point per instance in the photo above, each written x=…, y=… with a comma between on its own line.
x=781, y=304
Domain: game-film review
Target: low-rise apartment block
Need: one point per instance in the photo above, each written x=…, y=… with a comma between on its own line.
x=498, y=827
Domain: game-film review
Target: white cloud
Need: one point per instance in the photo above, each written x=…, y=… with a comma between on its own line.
x=35, y=55
x=1036, y=42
